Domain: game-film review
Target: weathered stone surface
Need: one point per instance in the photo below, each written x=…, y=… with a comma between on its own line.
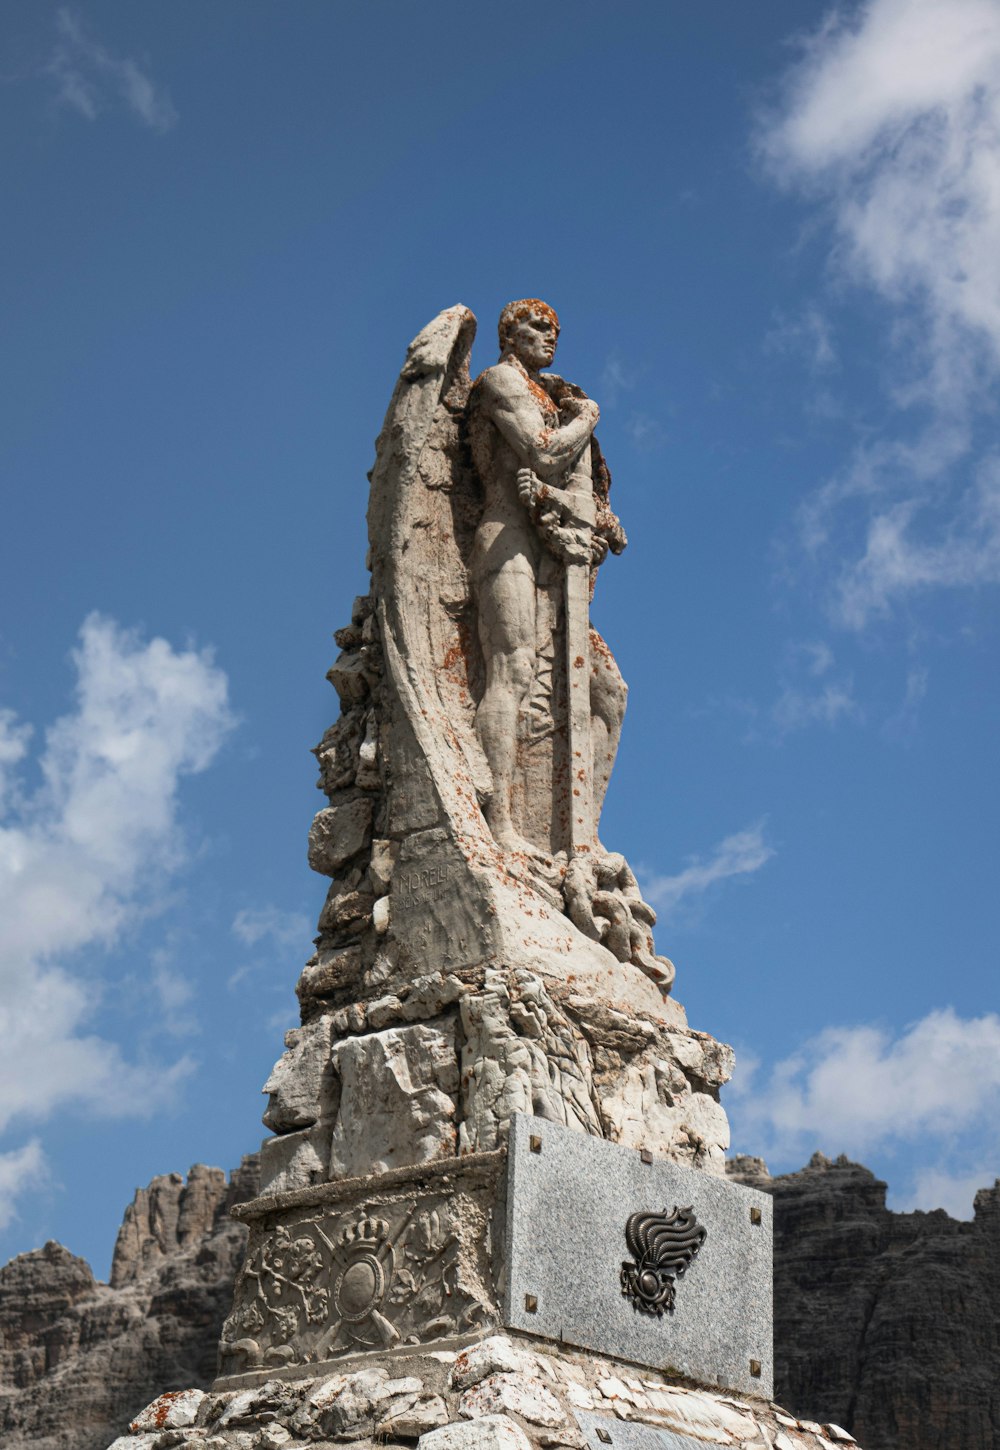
x=78, y=1359
x=172, y=1410
x=383, y=861
x=338, y=833
x=513, y=1394
x=294, y=1160
x=301, y=1085
x=488, y=1432
x=496, y=1355
x=569, y=1199
x=398, y=1100
x=168, y=1215
x=885, y=1323
x=332, y=971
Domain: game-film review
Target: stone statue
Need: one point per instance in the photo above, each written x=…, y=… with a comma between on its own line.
x=546, y=526
x=532, y=444
x=480, y=954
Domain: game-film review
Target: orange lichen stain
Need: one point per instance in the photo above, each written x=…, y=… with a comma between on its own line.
x=163, y=1403
x=546, y=404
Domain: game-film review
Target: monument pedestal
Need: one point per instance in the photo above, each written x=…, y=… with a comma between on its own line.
x=563, y=1237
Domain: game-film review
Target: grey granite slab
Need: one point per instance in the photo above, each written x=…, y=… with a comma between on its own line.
x=569, y=1198
x=628, y=1435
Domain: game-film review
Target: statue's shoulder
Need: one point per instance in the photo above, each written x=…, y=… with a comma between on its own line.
x=500, y=382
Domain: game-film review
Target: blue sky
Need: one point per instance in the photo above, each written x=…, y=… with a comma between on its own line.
x=771, y=235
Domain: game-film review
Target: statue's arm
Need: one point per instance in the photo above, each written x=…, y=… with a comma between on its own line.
x=546, y=451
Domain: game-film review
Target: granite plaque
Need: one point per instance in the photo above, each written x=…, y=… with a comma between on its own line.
x=644, y=1260
x=606, y=1432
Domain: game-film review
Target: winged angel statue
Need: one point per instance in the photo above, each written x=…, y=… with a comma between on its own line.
x=490, y=515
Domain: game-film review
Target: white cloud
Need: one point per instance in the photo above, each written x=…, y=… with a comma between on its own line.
x=88, y=78
x=954, y=1192
x=795, y=708
x=857, y=1090
x=257, y=924
x=899, y=560
x=21, y=1170
x=891, y=120
x=738, y=855
x=894, y=113
x=85, y=854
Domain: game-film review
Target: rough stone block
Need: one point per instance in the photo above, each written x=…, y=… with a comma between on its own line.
x=300, y=1084
x=569, y=1199
x=295, y=1160
x=329, y=972
x=383, y=862
x=515, y=1394
x=173, y=1410
x=490, y=1432
x=398, y=1100
x=495, y=1355
x=349, y=676
x=338, y=833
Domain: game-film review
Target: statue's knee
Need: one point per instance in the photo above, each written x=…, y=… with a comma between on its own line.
x=522, y=669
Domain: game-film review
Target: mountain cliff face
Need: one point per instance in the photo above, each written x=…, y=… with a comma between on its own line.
x=79, y=1358
x=885, y=1323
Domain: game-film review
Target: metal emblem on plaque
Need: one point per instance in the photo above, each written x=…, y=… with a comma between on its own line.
x=663, y=1247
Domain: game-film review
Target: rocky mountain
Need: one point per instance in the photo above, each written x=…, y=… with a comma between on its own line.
x=78, y=1358
x=885, y=1323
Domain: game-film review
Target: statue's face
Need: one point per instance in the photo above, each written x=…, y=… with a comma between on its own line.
x=532, y=339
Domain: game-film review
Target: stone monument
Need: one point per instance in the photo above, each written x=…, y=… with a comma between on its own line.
x=493, y=1210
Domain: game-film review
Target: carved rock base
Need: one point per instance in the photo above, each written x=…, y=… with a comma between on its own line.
x=500, y=1392
x=400, y=1258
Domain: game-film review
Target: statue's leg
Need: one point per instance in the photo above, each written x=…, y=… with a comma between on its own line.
x=608, y=694
x=506, y=600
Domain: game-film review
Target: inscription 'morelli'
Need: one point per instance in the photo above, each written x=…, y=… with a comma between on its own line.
x=411, y=888
x=663, y=1247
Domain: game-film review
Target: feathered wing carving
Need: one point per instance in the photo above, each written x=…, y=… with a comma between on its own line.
x=663, y=1247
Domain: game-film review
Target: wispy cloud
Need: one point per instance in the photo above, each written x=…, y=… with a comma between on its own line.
x=85, y=854
x=21, y=1171
x=890, y=122
x=616, y=379
x=859, y=1089
x=89, y=79
x=902, y=724
x=646, y=432
x=272, y=925
x=738, y=855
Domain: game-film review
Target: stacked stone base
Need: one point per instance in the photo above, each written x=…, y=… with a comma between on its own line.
x=501, y=1392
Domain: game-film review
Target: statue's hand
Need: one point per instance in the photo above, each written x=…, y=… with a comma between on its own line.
x=572, y=546
x=598, y=549
x=581, y=408
x=527, y=487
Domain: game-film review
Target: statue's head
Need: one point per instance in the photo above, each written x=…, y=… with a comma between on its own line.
x=530, y=330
